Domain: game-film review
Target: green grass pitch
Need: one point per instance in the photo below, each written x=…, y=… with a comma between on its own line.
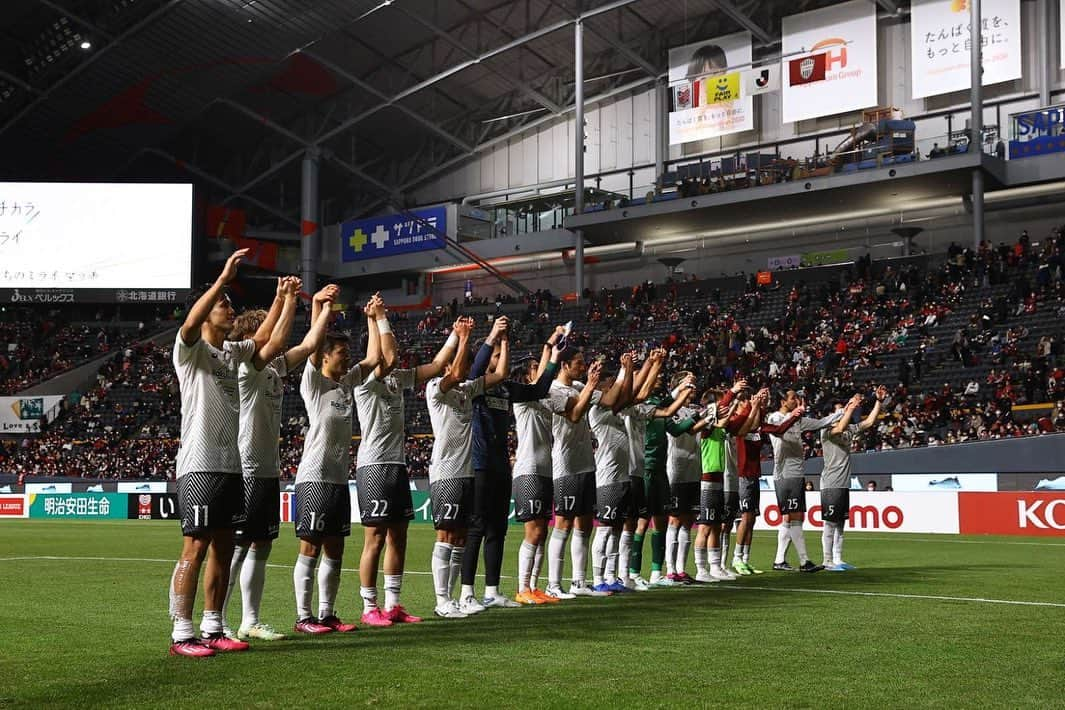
x=922, y=623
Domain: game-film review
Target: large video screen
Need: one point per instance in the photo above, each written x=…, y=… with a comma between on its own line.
x=103, y=237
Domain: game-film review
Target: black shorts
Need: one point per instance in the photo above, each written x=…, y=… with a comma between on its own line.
x=322, y=510
x=835, y=505
x=612, y=502
x=533, y=497
x=638, y=499
x=750, y=495
x=452, y=503
x=384, y=494
x=492, y=489
x=575, y=495
x=683, y=498
x=262, y=510
x=210, y=501
x=656, y=490
x=711, y=506
x=791, y=495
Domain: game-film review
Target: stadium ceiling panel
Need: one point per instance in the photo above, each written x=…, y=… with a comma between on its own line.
x=395, y=92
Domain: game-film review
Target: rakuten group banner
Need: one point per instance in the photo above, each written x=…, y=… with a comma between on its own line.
x=878, y=512
x=846, y=35
x=940, y=44
x=705, y=80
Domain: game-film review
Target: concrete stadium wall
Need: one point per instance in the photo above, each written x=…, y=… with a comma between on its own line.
x=621, y=132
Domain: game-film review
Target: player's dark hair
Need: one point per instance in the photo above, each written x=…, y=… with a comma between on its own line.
x=197, y=293
x=568, y=354
x=333, y=340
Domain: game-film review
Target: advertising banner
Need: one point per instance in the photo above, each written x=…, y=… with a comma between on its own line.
x=23, y=415
x=945, y=482
x=49, y=487
x=393, y=234
x=940, y=44
x=761, y=80
x=1012, y=513
x=705, y=100
x=846, y=35
x=877, y=512
x=13, y=506
x=151, y=506
x=141, y=487
x=78, y=505
x=1039, y=132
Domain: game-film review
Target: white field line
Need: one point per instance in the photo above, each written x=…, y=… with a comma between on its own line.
x=790, y=590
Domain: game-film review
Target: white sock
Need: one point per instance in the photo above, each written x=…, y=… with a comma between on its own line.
x=467, y=591
x=737, y=553
x=683, y=545
x=799, y=538
x=303, y=581
x=624, y=552
x=393, y=586
x=837, y=546
x=441, y=566
x=491, y=592
x=715, y=558
x=556, y=556
x=526, y=555
x=599, y=554
x=671, y=548
x=455, y=570
x=183, y=629
x=537, y=566
x=235, y=566
x=252, y=581
x=828, y=538
x=211, y=622
x=613, y=543
x=700, y=559
x=578, y=549
x=783, y=540
x=369, y=599
x=328, y=584
x=747, y=553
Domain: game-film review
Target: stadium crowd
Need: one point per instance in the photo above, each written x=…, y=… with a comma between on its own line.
x=824, y=338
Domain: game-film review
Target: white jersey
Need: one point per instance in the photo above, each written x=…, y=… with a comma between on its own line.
x=788, y=454
x=732, y=464
x=612, y=456
x=837, y=453
x=572, y=451
x=451, y=414
x=210, y=404
x=683, y=454
x=636, y=418
x=260, y=417
x=330, y=406
x=380, y=406
x=532, y=424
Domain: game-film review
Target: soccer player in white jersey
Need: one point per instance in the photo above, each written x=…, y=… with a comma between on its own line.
x=210, y=496
x=531, y=489
x=381, y=475
x=573, y=463
x=450, y=402
x=613, y=490
x=785, y=428
x=323, y=505
x=261, y=392
x=684, y=472
x=836, y=476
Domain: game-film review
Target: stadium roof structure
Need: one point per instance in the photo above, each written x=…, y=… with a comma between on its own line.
x=231, y=94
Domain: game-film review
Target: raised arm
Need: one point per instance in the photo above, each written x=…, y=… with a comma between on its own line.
x=373, y=341
x=484, y=354
x=197, y=315
x=644, y=389
x=456, y=371
x=577, y=407
x=315, y=336
x=289, y=288
x=550, y=353
x=269, y=324
x=502, y=369
x=545, y=374
x=387, y=337
x=754, y=418
x=431, y=369
x=870, y=421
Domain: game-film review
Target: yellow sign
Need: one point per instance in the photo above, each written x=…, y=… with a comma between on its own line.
x=719, y=89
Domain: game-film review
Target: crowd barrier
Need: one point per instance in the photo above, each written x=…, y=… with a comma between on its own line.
x=942, y=512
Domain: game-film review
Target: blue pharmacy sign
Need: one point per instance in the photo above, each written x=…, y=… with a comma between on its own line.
x=417, y=230
x=1038, y=132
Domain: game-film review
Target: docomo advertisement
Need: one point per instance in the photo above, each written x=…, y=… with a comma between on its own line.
x=705, y=100
x=940, y=44
x=877, y=512
x=1013, y=513
x=846, y=35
